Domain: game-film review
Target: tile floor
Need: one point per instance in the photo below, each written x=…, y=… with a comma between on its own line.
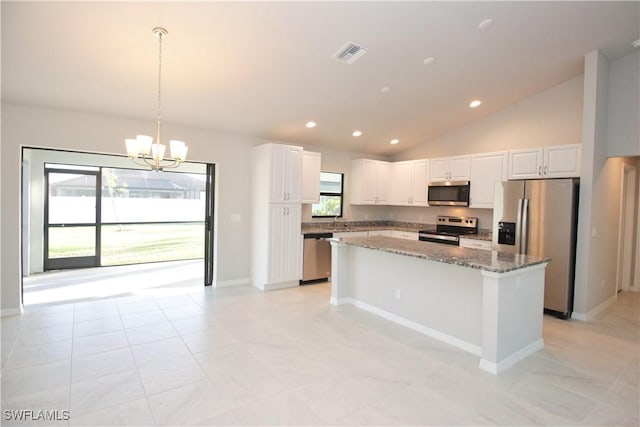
x=237, y=356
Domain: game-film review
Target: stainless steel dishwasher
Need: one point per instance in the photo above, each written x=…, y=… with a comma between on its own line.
x=316, y=265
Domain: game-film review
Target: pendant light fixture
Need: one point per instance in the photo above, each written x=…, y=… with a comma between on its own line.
x=143, y=150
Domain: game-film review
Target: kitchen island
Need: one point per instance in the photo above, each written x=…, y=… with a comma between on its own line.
x=485, y=302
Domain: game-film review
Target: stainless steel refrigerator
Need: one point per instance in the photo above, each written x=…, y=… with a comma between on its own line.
x=539, y=217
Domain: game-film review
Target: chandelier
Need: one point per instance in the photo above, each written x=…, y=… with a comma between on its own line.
x=143, y=150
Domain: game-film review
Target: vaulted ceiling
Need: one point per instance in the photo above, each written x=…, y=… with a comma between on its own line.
x=265, y=68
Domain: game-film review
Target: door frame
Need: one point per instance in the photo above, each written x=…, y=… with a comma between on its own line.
x=72, y=262
x=627, y=234
x=209, y=225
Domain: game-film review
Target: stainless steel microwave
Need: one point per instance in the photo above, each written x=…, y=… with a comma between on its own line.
x=449, y=193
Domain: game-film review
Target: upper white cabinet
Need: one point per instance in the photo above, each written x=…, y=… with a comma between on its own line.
x=310, y=192
x=409, y=183
x=556, y=161
x=370, y=182
x=486, y=170
x=450, y=168
x=285, y=172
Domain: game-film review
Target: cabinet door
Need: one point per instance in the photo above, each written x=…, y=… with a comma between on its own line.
x=475, y=244
x=310, y=192
x=386, y=233
x=278, y=166
x=459, y=169
x=439, y=169
x=525, y=164
x=419, y=182
x=293, y=174
x=351, y=234
x=383, y=182
x=292, y=237
x=369, y=181
x=562, y=161
x=486, y=170
x=277, y=238
x=401, y=183
x=409, y=235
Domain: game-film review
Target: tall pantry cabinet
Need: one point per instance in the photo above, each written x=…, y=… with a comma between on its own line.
x=276, y=252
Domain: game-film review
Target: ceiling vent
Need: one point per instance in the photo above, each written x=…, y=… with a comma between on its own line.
x=350, y=53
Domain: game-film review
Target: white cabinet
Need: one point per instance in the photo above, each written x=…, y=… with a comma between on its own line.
x=284, y=243
x=370, y=182
x=562, y=161
x=409, y=183
x=351, y=234
x=556, y=161
x=486, y=170
x=450, y=168
x=475, y=244
x=276, y=239
x=379, y=233
x=409, y=235
x=285, y=172
x=310, y=192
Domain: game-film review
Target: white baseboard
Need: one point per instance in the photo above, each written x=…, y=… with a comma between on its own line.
x=11, y=311
x=234, y=282
x=281, y=285
x=340, y=301
x=456, y=342
x=503, y=365
x=594, y=312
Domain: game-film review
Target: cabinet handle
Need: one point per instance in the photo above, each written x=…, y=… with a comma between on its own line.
x=545, y=169
x=539, y=170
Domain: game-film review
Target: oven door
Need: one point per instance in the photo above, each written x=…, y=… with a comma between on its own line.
x=447, y=239
x=449, y=193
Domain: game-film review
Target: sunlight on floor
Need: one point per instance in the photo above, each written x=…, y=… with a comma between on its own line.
x=105, y=282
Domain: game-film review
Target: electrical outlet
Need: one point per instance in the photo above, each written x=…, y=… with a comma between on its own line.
x=603, y=283
x=397, y=293
x=235, y=218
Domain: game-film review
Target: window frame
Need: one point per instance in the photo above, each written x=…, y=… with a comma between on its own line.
x=327, y=193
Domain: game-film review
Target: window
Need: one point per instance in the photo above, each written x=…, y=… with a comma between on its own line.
x=331, y=193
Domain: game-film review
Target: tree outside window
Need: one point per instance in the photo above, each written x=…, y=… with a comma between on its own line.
x=331, y=196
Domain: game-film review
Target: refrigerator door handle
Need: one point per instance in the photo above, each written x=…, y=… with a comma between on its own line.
x=524, y=238
x=519, y=227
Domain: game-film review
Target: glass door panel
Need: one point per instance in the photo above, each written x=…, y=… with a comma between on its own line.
x=71, y=217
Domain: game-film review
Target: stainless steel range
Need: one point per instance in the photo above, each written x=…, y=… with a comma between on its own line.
x=449, y=229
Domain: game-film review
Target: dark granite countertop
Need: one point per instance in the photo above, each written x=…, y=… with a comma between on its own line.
x=347, y=226
x=481, y=259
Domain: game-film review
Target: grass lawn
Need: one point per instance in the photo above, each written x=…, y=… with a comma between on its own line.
x=131, y=244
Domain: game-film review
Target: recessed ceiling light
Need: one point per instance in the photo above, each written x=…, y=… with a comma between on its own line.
x=430, y=60
x=636, y=44
x=385, y=89
x=475, y=103
x=356, y=133
x=311, y=125
x=394, y=141
x=485, y=24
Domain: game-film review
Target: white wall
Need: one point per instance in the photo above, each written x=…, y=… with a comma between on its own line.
x=551, y=117
x=623, y=117
x=85, y=132
x=599, y=197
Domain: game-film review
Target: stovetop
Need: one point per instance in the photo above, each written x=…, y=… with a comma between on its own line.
x=454, y=226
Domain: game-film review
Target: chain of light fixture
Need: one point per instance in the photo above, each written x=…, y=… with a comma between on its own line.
x=142, y=150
